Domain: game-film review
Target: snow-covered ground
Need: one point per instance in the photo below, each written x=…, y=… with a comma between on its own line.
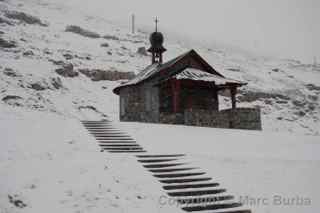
x=49, y=162
x=52, y=164
x=286, y=90
x=248, y=163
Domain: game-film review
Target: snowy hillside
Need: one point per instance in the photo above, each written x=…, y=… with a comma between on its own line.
x=287, y=90
x=59, y=66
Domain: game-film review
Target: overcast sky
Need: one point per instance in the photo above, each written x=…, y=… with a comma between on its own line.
x=283, y=28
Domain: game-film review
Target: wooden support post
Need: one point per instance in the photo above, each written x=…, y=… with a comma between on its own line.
x=175, y=86
x=233, y=92
x=216, y=99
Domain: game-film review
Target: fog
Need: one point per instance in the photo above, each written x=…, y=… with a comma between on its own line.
x=281, y=28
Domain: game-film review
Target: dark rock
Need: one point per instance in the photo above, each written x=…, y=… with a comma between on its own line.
x=59, y=62
x=28, y=53
x=251, y=96
x=4, y=21
x=67, y=71
x=268, y=101
x=311, y=107
x=276, y=70
x=281, y=101
x=56, y=83
x=10, y=72
x=142, y=51
x=88, y=107
x=111, y=37
x=47, y=52
x=81, y=31
x=67, y=56
x=312, y=87
x=313, y=97
x=38, y=86
x=24, y=18
x=7, y=44
x=104, y=45
x=298, y=103
x=87, y=57
x=16, y=202
x=11, y=97
x=109, y=53
x=300, y=113
x=12, y=100
x=99, y=75
x=234, y=69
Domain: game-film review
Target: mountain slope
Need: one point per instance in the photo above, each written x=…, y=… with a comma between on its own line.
x=48, y=49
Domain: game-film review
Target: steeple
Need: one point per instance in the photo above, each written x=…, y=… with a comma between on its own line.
x=156, y=49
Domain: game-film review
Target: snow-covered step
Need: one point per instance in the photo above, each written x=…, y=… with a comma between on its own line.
x=165, y=165
x=190, y=186
x=171, y=170
x=122, y=148
x=100, y=121
x=111, y=140
x=111, y=134
x=114, y=136
x=115, y=141
x=123, y=144
x=100, y=131
x=196, y=192
x=128, y=151
x=160, y=156
x=211, y=207
x=117, y=133
x=157, y=160
x=184, y=180
x=204, y=199
x=233, y=210
x=176, y=175
x=91, y=129
x=97, y=124
x=120, y=145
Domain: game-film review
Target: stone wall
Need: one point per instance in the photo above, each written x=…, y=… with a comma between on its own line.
x=139, y=103
x=130, y=104
x=240, y=118
x=171, y=118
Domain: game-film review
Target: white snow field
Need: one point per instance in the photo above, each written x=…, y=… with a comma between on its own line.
x=253, y=164
x=50, y=163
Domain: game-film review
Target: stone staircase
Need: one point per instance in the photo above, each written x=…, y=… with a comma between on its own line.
x=190, y=188
x=111, y=139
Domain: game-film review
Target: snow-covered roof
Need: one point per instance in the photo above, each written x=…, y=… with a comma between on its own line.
x=152, y=70
x=199, y=75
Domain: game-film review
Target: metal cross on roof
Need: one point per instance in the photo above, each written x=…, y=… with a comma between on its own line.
x=156, y=21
